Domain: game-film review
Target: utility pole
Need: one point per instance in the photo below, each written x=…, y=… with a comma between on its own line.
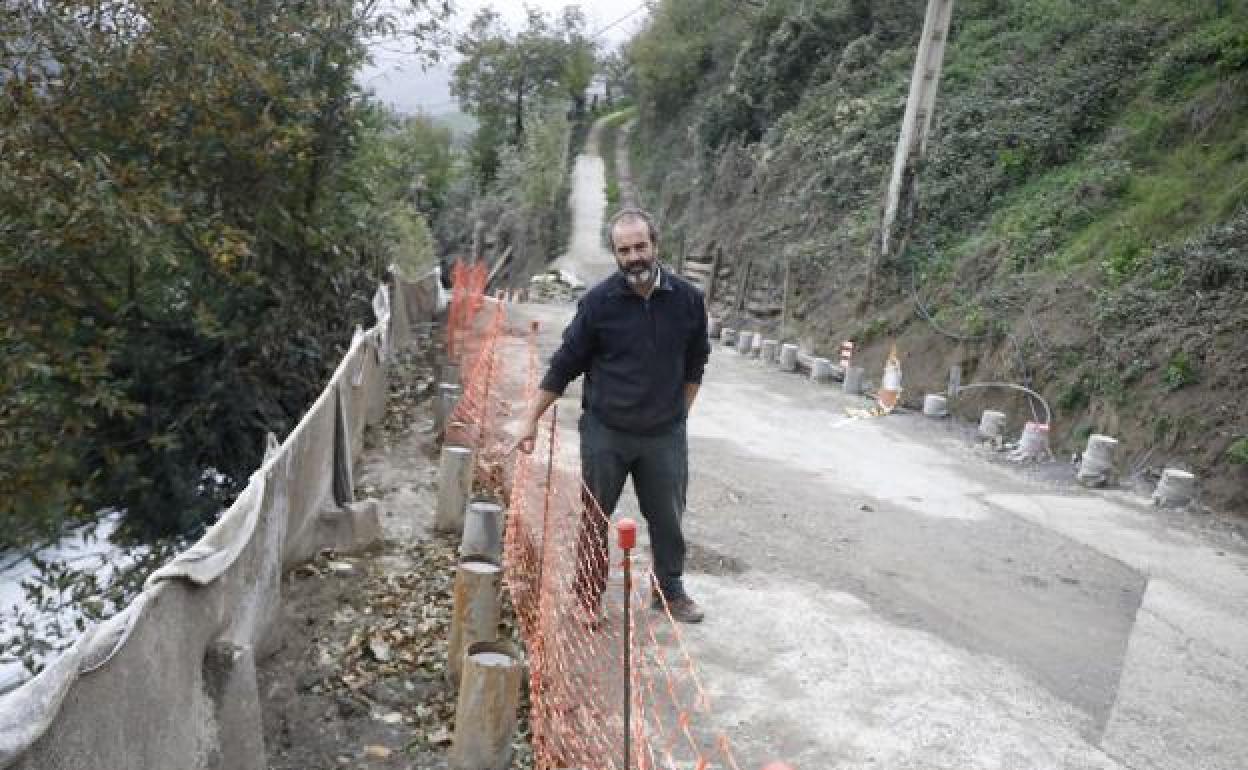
x=912, y=144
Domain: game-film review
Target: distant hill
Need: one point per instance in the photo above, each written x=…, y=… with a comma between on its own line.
x=462, y=125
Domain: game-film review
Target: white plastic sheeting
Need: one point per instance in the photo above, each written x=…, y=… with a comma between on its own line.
x=170, y=681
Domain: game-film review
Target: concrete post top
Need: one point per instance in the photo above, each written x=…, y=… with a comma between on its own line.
x=479, y=564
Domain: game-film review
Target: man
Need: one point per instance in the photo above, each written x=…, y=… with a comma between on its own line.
x=639, y=337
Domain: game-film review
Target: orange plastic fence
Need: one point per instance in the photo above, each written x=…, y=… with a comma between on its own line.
x=564, y=573
x=467, y=297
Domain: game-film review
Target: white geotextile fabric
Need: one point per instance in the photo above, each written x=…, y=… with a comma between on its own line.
x=381, y=311
x=28, y=712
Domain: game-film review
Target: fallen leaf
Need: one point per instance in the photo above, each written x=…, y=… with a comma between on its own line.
x=379, y=649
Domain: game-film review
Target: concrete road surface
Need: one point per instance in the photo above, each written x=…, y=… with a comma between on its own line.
x=881, y=594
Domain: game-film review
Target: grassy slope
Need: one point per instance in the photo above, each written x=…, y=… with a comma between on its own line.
x=1083, y=157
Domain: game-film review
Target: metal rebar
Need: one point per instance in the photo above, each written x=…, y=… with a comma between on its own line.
x=1048, y=413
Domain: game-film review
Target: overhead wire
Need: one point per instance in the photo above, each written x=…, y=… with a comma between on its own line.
x=925, y=313
x=602, y=30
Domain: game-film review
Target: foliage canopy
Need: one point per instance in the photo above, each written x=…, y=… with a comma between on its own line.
x=182, y=230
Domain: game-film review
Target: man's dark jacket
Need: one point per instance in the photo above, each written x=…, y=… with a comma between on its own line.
x=637, y=354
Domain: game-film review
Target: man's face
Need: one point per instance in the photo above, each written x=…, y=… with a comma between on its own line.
x=634, y=251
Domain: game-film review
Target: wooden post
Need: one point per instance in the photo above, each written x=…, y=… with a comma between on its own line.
x=745, y=285
x=714, y=276
x=454, y=488
x=955, y=381
x=475, y=611
x=485, y=717
x=784, y=302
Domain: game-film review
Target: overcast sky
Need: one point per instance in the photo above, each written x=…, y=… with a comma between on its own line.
x=399, y=81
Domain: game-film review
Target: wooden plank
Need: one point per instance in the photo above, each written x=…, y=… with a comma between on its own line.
x=784, y=301
x=714, y=277
x=745, y=285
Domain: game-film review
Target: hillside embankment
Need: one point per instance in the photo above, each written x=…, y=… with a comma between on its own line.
x=1080, y=223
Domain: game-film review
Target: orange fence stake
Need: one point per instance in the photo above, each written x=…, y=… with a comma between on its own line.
x=627, y=530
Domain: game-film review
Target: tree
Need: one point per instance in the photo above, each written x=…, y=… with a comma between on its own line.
x=578, y=55
x=678, y=49
x=502, y=75
x=617, y=74
x=177, y=248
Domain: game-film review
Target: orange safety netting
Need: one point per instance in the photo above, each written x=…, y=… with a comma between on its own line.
x=467, y=297
x=565, y=575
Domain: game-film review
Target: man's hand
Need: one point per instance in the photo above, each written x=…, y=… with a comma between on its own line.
x=528, y=436
x=691, y=394
x=528, y=428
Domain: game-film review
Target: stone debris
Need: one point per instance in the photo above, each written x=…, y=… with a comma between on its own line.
x=555, y=286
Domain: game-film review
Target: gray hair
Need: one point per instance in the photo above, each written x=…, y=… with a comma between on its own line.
x=632, y=214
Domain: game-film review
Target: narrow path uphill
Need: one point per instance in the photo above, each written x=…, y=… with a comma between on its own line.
x=587, y=257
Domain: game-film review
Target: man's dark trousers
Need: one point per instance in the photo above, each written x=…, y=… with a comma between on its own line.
x=659, y=466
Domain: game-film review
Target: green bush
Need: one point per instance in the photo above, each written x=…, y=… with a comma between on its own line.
x=1215, y=51
x=1237, y=452
x=1179, y=372
x=1073, y=396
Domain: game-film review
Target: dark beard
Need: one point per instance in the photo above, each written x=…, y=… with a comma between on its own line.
x=639, y=274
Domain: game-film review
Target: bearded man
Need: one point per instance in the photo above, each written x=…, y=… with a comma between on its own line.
x=640, y=339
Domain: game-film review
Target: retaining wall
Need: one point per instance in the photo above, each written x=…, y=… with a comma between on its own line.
x=170, y=682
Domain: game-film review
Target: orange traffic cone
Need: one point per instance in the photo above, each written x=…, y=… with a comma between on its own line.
x=889, y=392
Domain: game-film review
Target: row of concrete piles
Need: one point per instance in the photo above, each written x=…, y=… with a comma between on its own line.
x=787, y=357
x=486, y=670
x=1097, y=465
x=1175, y=489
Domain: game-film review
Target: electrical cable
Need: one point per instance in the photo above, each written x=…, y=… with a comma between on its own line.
x=599, y=32
x=1048, y=413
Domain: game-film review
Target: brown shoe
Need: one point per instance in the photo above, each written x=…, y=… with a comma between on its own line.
x=685, y=610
